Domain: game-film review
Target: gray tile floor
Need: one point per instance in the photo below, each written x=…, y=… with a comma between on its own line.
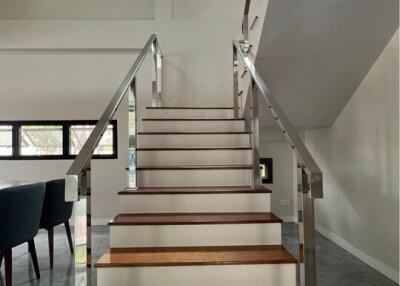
x=336, y=267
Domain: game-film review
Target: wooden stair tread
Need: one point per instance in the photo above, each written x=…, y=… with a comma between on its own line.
x=194, y=218
x=186, y=256
x=192, y=119
x=195, y=190
x=196, y=167
x=189, y=107
x=193, y=148
x=193, y=133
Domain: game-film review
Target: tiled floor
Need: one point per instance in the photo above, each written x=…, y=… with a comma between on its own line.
x=336, y=267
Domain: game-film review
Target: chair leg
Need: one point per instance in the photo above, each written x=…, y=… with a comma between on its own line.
x=50, y=233
x=68, y=231
x=32, y=250
x=8, y=266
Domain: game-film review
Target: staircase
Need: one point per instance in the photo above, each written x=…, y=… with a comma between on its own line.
x=195, y=218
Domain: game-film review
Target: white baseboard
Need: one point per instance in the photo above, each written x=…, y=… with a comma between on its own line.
x=95, y=221
x=100, y=221
x=378, y=265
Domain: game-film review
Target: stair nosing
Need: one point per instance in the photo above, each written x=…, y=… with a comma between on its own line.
x=192, y=119
x=176, y=107
x=288, y=259
x=199, y=190
x=193, y=133
x=198, y=218
x=194, y=148
x=195, y=167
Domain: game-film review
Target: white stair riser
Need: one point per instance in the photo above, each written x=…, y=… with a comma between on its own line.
x=213, y=275
x=189, y=113
x=194, y=126
x=193, y=157
x=195, y=203
x=195, y=235
x=194, y=178
x=193, y=140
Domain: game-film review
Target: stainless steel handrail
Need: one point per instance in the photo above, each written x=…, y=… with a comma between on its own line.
x=287, y=128
x=88, y=148
x=78, y=185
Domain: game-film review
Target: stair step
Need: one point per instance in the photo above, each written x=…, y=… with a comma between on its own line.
x=186, y=256
x=196, y=190
x=193, y=119
x=197, y=176
x=194, y=149
x=194, y=229
x=196, y=167
x=190, y=107
x=192, y=124
x=194, y=218
x=195, y=199
x=193, y=139
x=190, y=112
x=195, y=133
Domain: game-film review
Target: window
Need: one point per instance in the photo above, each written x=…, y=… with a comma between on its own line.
x=6, y=132
x=80, y=133
x=41, y=140
x=266, y=170
x=30, y=140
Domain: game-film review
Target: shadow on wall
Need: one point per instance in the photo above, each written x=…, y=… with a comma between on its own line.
x=315, y=53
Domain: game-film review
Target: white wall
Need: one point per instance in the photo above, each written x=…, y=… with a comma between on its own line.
x=359, y=156
x=274, y=145
x=69, y=69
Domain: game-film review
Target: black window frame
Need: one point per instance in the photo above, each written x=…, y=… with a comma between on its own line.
x=66, y=124
x=268, y=163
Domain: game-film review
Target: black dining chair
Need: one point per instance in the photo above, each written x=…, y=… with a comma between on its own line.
x=55, y=212
x=20, y=211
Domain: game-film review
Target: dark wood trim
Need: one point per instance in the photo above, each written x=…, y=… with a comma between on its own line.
x=196, y=190
x=69, y=236
x=227, y=167
x=50, y=235
x=191, y=133
x=192, y=119
x=194, y=218
x=8, y=266
x=195, y=149
x=175, y=107
x=196, y=256
x=32, y=251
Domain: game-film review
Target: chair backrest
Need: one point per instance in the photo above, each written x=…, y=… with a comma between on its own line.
x=20, y=211
x=55, y=210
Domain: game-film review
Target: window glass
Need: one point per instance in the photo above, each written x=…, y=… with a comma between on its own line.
x=6, y=140
x=80, y=133
x=39, y=140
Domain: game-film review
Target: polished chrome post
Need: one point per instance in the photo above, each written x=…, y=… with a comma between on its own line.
x=306, y=231
x=82, y=228
x=245, y=23
x=235, y=83
x=255, y=129
x=157, y=72
x=132, y=136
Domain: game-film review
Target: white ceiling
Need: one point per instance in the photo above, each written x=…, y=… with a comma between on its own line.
x=77, y=9
x=315, y=53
